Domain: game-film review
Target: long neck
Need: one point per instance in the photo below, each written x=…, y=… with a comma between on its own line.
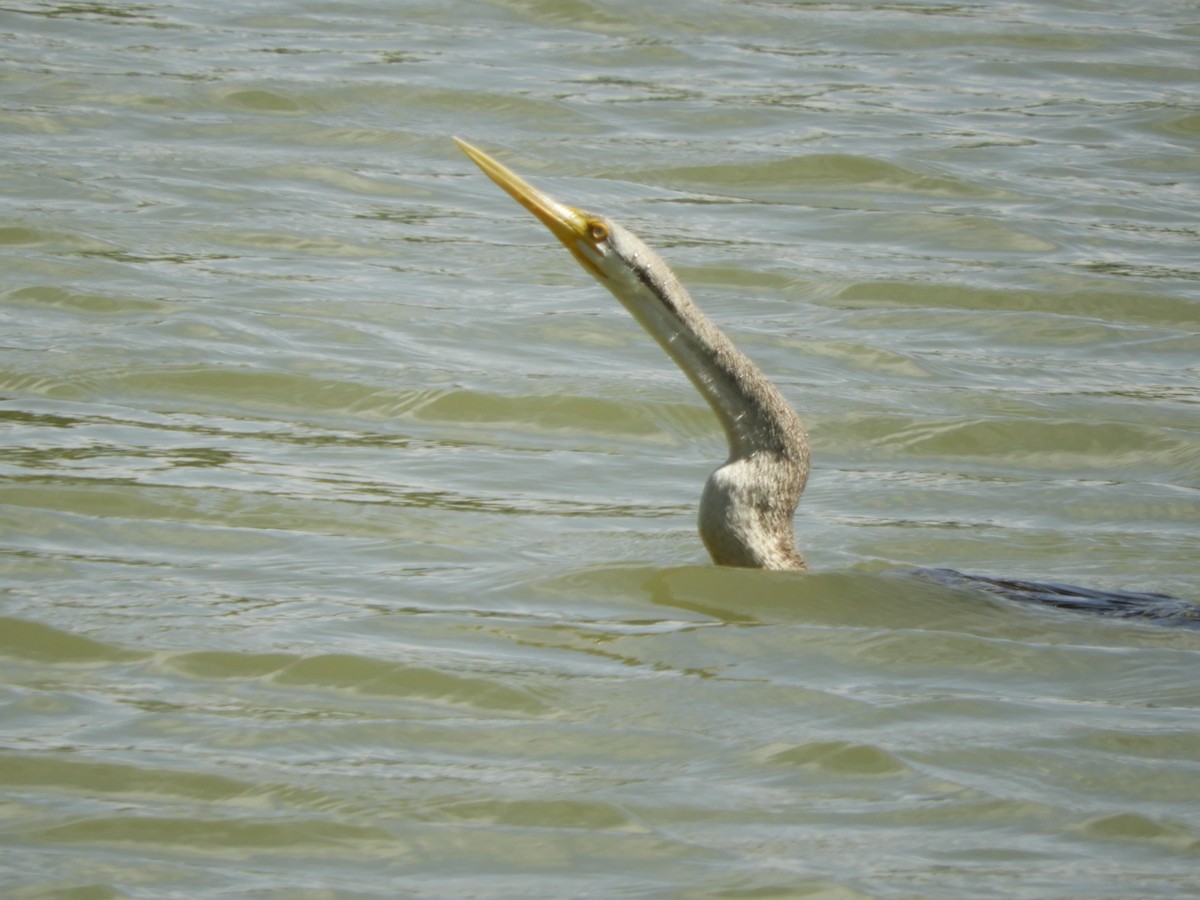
x=747, y=506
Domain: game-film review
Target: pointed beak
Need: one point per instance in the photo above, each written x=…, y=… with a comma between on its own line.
x=568, y=224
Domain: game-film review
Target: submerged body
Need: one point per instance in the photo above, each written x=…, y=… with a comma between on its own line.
x=1161, y=609
x=748, y=503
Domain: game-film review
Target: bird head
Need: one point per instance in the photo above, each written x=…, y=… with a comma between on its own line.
x=584, y=234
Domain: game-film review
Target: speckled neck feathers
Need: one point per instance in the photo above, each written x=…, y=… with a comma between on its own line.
x=748, y=503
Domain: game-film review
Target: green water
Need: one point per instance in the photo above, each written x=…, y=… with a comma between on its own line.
x=347, y=536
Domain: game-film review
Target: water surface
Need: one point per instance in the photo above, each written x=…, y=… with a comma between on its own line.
x=348, y=527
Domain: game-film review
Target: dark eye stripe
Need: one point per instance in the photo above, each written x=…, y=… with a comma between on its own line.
x=646, y=277
x=646, y=274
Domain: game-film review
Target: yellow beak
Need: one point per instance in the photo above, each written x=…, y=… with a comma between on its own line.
x=568, y=224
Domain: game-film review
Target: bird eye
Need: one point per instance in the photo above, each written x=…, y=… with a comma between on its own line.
x=598, y=231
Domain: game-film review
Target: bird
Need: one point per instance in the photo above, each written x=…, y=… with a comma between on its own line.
x=748, y=503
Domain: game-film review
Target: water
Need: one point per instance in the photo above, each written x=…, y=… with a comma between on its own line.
x=348, y=539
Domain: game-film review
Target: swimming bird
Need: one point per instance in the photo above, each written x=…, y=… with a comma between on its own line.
x=748, y=503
